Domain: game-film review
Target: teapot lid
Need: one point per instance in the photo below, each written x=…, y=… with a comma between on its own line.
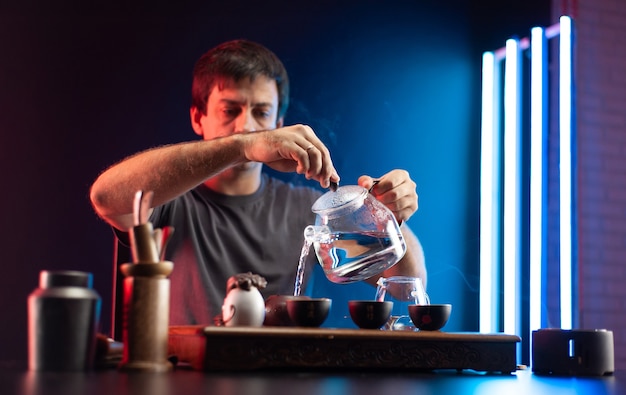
x=343, y=196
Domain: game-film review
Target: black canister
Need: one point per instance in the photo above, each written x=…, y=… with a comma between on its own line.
x=63, y=316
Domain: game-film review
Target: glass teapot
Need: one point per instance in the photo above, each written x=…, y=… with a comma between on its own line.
x=355, y=236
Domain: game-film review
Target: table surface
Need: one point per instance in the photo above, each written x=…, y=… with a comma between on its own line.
x=183, y=381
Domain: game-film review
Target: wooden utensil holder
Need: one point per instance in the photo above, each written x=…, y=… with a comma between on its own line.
x=146, y=316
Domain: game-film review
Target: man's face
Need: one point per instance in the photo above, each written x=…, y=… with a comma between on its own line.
x=240, y=107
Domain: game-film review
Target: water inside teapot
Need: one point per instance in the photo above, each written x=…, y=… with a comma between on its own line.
x=348, y=257
x=354, y=237
x=356, y=256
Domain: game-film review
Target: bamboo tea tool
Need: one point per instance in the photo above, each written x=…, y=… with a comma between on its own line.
x=146, y=294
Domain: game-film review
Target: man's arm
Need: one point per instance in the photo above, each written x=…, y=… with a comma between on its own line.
x=413, y=263
x=397, y=191
x=168, y=171
x=172, y=170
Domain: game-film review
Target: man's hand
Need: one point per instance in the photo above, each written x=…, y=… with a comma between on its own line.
x=292, y=148
x=396, y=190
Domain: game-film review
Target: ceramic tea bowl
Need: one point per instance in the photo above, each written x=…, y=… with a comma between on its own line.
x=310, y=312
x=430, y=317
x=369, y=314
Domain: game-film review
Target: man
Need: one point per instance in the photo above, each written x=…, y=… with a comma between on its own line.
x=228, y=216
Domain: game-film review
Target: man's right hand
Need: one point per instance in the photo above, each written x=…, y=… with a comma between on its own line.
x=292, y=148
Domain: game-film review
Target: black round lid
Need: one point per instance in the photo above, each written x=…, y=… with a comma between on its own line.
x=65, y=278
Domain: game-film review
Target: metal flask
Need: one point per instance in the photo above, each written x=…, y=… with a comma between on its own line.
x=63, y=316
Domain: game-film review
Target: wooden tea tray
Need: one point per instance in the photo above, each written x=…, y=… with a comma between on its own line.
x=273, y=348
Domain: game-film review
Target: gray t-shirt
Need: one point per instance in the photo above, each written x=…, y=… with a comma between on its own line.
x=217, y=236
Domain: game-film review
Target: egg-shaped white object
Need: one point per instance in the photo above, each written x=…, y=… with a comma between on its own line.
x=243, y=308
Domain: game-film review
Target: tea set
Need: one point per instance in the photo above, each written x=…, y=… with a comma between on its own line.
x=355, y=237
x=288, y=310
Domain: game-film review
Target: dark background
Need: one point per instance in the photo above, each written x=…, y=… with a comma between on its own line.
x=393, y=84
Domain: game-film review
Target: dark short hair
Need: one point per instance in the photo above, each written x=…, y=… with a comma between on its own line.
x=238, y=59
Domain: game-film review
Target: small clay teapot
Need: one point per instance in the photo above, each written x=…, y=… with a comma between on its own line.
x=276, y=313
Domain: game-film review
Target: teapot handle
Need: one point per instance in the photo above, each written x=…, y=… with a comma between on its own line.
x=420, y=297
x=373, y=185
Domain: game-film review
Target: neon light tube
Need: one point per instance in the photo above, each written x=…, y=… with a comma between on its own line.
x=538, y=62
x=565, y=174
x=511, y=186
x=488, y=198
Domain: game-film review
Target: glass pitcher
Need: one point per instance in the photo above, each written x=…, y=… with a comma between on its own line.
x=402, y=291
x=355, y=236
